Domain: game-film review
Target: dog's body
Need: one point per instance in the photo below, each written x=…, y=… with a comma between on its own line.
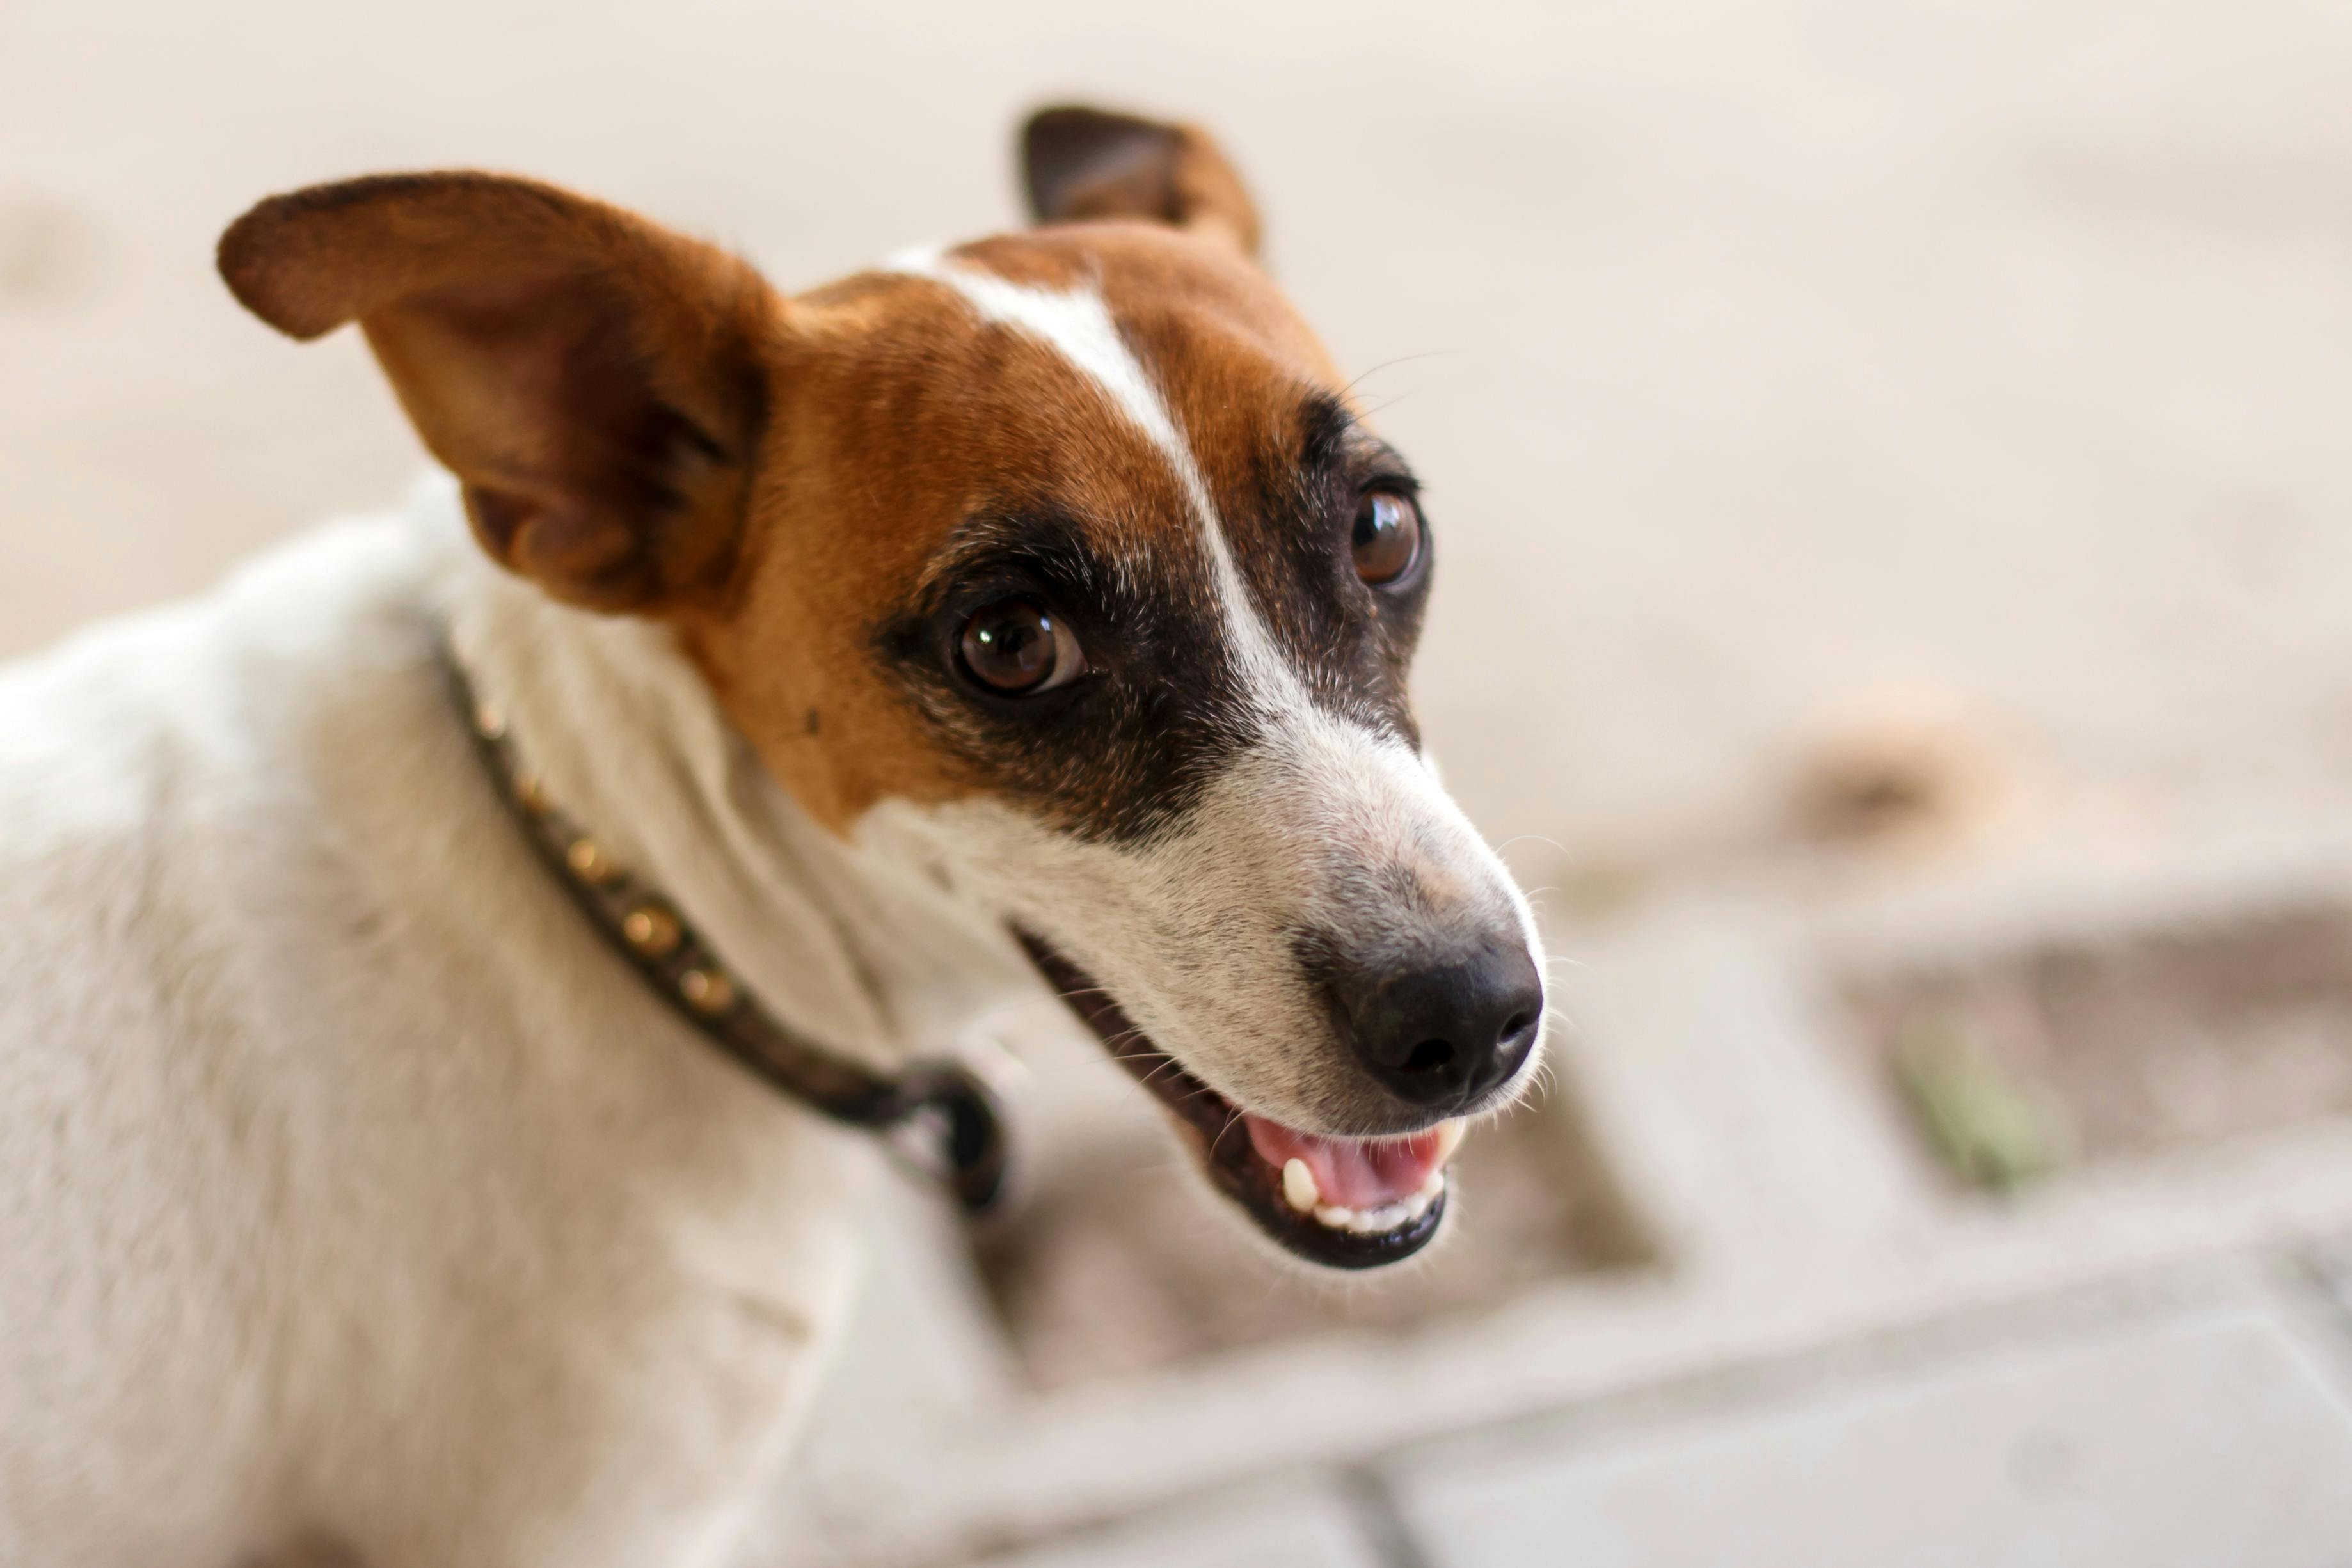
x=356, y=1189
x=1037, y=604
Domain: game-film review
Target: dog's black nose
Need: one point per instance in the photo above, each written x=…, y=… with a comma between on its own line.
x=1445, y=1033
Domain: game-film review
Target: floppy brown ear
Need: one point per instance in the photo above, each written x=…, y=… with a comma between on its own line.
x=594, y=381
x=1082, y=163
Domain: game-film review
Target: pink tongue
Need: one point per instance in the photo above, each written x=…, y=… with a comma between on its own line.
x=1350, y=1172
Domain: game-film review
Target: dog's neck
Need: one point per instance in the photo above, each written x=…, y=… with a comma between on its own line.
x=844, y=941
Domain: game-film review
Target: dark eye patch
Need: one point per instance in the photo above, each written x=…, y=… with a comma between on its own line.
x=1123, y=752
x=1291, y=512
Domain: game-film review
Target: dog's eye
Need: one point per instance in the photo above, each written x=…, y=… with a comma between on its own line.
x=1017, y=648
x=1388, y=537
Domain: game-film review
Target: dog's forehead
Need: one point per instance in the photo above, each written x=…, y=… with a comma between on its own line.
x=1133, y=425
x=1131, y=380
x=1197, y=308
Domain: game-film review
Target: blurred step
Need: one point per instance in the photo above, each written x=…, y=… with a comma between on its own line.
x=1306, y=1529
x=2181, y=1444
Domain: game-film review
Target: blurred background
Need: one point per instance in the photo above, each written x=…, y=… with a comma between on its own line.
x=1896, y=605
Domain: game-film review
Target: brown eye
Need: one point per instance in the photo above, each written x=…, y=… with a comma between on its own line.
x=1388, y=537
x=1017, y=648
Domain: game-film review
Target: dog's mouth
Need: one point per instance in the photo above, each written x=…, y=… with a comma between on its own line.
x=1344, y=1203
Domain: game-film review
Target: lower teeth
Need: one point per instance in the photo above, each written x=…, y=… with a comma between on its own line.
x=1387, y=1217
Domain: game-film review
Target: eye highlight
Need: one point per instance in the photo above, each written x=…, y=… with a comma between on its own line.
x=1387, y=540
x=1017, y=648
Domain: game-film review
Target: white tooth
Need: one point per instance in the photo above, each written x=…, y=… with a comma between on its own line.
x=1299, y=1186
x=1337, y=1218
x=1417, y=1205
x=1433, y=1185
x=1449, y=1138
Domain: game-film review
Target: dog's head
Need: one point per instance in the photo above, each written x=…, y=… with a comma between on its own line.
x=1060, y=561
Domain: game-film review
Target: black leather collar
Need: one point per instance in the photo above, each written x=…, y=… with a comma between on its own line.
x=944, y=1116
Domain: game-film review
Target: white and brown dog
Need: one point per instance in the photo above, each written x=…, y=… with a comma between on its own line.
x=1037, y=604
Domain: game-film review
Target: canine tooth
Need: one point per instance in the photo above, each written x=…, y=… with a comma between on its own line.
x=1337, y=1218
x=1432, y=1185
x=1299, y=1186
x=1449, y=1138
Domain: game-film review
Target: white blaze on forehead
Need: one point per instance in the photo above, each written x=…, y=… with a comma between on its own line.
x=1076, y=325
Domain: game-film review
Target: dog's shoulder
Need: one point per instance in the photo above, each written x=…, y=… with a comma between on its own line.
x=140, y=736
x=202, y=682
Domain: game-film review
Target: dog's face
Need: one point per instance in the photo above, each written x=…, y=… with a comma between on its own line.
x=1059, y=562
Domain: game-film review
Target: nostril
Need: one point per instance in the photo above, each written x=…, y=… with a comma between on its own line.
x=1514, y=1027
x=1430, y=1055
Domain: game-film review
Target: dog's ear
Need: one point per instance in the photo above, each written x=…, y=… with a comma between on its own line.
x=1082, y=163
x=595, y=382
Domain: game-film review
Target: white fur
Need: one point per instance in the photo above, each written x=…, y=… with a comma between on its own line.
x=347, y=1182
x=1190, y=931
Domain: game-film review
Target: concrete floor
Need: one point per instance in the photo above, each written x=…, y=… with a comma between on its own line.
x=1787, y=377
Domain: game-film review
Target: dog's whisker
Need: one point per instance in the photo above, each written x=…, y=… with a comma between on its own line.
x=1362, y=376
x=1231, y=1122
x=1531, y=839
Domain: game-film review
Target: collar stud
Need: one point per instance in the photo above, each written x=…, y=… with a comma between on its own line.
x=651, y=929
x=589, y=862
x=708, y=991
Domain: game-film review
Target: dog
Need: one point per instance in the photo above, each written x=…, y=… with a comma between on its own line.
x=1033, y=610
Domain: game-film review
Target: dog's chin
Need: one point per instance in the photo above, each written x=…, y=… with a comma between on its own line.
x=1288, y=1183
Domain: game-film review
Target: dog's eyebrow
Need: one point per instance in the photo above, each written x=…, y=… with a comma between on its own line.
x=1333, y=440
x=996, y=535
x=1324, y=426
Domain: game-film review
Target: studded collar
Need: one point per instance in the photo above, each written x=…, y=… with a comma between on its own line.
x=939, y=1112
